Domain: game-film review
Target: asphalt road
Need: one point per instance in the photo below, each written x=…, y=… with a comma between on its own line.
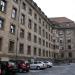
x=55, y=70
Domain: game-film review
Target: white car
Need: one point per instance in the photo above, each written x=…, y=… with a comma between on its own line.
x=38, y=65
x=48, y=63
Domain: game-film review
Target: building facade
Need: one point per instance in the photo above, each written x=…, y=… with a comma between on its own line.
x=66, y=32
x=25, y=31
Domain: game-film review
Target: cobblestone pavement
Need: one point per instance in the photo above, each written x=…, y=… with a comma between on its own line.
x=55, y=70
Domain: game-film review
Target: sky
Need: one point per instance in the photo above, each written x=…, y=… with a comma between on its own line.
x=57, y=8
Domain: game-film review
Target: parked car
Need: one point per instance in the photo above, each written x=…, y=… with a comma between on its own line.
x=7, y=68
x=22, y=66
x=37, y=65
x=48, y=63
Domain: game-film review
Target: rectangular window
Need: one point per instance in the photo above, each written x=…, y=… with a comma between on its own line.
x=39, y=52
x=39, y=20
x=12, y=29
x=46, y=44
x=35, y=51
x=30, y=11
x=22, y=19
x=69, y=40
x=14, y=13
x=24, y=6
x=21, y=48
x=43, y=32
x=35, y=39
x=40, y=30
x=39, y=41
x=11, y=46
x=2, y=5
x=35, y=16
x=21, y=33
x=49, y=37
x=29, y=24
x=0, y=44
x=43, y=42
x=43, y=52
x=69, y=46
x=35, y=27
x=46, y=53
x=29, y=50
x=46, y=35
x=29, y=36
x=1, y=23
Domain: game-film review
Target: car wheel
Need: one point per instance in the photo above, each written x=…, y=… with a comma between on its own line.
x=38, y=67
x=27, y=70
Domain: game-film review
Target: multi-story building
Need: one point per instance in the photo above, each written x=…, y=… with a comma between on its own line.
x=65, y=29
x=25, y=31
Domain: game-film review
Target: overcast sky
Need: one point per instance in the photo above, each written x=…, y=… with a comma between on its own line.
x=58, y=8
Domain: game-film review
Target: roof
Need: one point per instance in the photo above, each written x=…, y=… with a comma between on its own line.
x=60, y=19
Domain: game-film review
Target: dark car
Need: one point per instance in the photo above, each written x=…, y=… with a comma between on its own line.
x=22, y=66
x=7, y=68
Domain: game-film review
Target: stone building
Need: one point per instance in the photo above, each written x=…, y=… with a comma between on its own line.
x=65, y=29
x=25, y=31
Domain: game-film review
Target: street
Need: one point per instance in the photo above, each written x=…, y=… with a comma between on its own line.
x=55, y=70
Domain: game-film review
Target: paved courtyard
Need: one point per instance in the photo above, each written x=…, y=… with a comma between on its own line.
x=56, y=70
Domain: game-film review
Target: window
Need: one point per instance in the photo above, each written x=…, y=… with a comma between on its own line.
x=62, y=55
x=35, y=27
x=0, y=44
x=30, y=11
x=11, y=46
x=21, y=48
x=40, y=30
x=21, y=33
x=24, y=6
x=39, y=41
x=22, y=19
x=29, y=50
x=39, y=52
x=35, y=16
x=14, y=13
x=49, y=37
x=69, y=46
x=39, y=20
x=70, y=54
x=46, y=44
x=43, y=52
x=43, y=31
x=29, y=36
x=12, y=29
x=35, y=39
x=35, y=51
x=29, y=24
x=43, y=23
x=49, y=45
x=61, y=41
x=2, y=5
x=69, y=40
x=47, y=53
x=46, y=35
x=1, y=23
x=43, y=42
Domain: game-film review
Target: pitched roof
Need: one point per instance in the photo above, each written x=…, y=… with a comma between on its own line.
x=60, y=19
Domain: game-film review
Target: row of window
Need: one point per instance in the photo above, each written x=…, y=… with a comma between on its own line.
x=13, y=29
x=14, y=14
x=21, y=48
